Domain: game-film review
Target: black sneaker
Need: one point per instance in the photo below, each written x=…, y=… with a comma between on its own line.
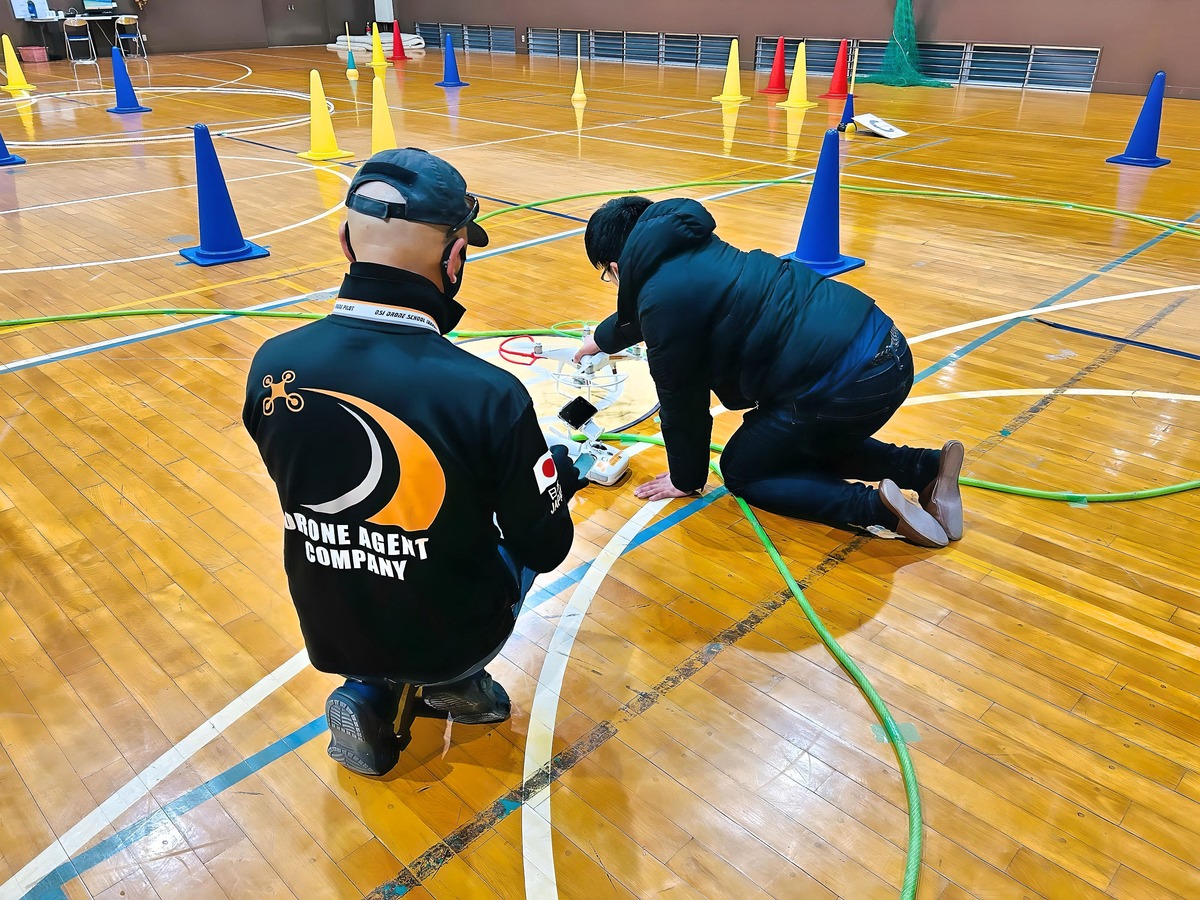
x=359, y=738
x=473, y=701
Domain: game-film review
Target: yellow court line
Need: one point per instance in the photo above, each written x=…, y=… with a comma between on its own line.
x=271, y=276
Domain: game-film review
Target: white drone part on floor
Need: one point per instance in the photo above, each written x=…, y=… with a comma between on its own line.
x=872, y=123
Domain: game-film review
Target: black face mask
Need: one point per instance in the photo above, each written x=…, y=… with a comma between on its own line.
x=449, y=288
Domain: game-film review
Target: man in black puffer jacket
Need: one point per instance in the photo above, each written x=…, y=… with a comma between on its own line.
x=818, y=365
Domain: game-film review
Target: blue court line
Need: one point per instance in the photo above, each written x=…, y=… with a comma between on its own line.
x=1065, y=292
x=132, y=834
x=355, y=165
x=564, y=581
x=1120, y=340
x=51, y=887
x=548, y=212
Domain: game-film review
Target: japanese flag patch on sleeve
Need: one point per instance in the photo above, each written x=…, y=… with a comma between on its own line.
x=545, y=472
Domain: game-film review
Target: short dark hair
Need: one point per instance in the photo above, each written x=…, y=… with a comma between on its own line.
x=609, y=228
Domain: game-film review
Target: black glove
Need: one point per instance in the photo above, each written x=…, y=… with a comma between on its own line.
x=568, y=475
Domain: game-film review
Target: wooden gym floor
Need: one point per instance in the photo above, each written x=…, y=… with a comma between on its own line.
x=161, y=735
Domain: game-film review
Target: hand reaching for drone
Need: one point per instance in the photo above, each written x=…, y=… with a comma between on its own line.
x=588, y=348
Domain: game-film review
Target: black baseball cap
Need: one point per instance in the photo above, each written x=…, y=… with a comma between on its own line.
x=434, y=192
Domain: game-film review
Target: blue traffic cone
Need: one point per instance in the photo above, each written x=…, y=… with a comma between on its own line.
x=7, y=158
x=847, y=112
x=818, y=244
x=1142, y=149
x=127, y=101
x=221, y=238
x=450, y=68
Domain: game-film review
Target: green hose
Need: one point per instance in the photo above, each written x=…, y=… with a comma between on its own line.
x=1174, y=227
x=912, y=863
x=1154, y=221
x=1069, y=497
x=554, y=331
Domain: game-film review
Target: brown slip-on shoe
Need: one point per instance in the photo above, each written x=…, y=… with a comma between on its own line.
x=916, y=526
x=941, y=498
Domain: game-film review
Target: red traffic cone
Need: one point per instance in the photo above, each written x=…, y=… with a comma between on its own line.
x=397, y=44
x=841, y=71
x=777, y=83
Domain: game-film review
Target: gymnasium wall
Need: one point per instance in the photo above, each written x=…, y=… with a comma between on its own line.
x=172, y=26
x=1138, y=37
x=180, y=26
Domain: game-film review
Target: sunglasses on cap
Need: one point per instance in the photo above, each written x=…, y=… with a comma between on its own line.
x=382, y=209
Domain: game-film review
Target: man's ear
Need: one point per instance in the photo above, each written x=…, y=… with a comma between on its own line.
x=458, y=253
x=344, y=237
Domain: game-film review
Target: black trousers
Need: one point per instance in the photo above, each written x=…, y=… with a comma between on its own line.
x=793, y=458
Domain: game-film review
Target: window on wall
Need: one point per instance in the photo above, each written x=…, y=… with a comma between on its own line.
x=642, y=46
x=998, y=65
x=714, y=50
x=681, y=49
x=634, y=46
x=543, y=41
x=608, y=44
x=1063, y=68
x=568, y=41
x=870, y=56
x=483, y=38
x=942, y=61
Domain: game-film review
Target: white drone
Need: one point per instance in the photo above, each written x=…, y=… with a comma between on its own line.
x=594, y=384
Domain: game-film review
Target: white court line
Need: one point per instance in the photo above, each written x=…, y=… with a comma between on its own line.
x=170, y=91
x=571, y=132
x=1041, y=392
x=299, y=167
x=217, y=316
x=174, y=187
x=143, y=783
x=540, y=808
x=536, y=831
x=1074, y=304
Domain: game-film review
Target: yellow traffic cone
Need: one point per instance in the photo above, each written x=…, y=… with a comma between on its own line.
x=24, y=104
x=378, y=60
x=323, y=144
x=798, y=91
x=729, y=117
x=732, y=91
x=16, y=78
x=795, y=124
x=578, y=95
x=383, y=133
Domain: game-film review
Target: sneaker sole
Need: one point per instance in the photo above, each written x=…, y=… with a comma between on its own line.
x=347, y=743
x=446, y=703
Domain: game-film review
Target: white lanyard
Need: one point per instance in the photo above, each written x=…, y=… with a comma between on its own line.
x=374, y=312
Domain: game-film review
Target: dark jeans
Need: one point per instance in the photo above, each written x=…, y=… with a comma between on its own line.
x=385, y=693
x=792, y=458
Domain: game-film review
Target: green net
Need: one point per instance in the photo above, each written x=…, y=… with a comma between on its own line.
x=901, y=62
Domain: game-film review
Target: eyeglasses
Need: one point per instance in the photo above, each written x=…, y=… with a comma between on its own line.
x=605, y=274
x=473, y=203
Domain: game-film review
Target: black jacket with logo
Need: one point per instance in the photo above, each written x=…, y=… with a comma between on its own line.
x=749, y=326
x=399, y=459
